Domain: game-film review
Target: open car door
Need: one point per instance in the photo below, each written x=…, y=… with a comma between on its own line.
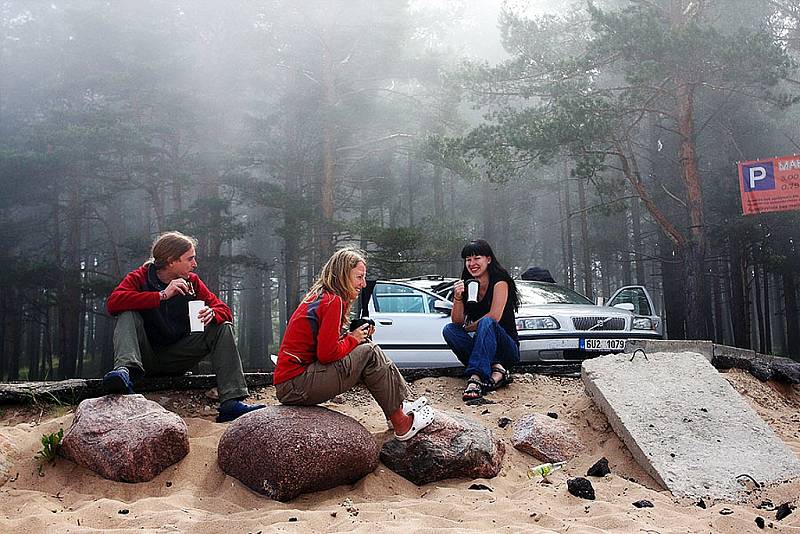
x=642, y=301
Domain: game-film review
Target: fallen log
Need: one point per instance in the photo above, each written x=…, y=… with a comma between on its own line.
x=74, y=390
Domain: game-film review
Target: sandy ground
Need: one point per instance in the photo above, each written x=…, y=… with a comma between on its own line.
x=196, y=496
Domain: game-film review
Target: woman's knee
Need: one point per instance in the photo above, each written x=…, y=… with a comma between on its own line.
x=487, y=322
x=451, y=330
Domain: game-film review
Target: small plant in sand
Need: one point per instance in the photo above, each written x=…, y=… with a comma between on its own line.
x=50, y=445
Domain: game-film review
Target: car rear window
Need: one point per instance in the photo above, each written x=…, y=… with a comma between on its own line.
x=543, y=293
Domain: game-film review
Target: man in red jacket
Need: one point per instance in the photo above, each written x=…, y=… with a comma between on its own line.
x=152, y=335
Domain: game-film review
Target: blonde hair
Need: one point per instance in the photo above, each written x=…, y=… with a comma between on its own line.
x=170, y=246
x=335, y=277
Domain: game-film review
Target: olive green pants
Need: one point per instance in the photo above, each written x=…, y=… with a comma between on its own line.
x=132, y=349
x=366, y=363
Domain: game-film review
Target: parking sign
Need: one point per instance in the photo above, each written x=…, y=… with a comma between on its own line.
x=770, y=185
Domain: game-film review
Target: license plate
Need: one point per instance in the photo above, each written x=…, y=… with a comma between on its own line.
x=602, y=344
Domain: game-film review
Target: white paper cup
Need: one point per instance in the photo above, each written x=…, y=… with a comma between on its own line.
x=472, y=290
x=195, y=324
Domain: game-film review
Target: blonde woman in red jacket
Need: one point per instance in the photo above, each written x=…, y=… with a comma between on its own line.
x=319, y=359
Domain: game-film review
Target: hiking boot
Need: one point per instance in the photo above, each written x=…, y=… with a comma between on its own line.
x=118, y=382
x=231, y=409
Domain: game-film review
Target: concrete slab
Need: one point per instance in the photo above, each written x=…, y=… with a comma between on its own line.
x=685, y=424
x=706, y=348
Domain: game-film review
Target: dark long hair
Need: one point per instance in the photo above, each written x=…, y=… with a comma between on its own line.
x=481, y=247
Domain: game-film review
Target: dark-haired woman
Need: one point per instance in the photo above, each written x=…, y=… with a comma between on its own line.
x=483, y=334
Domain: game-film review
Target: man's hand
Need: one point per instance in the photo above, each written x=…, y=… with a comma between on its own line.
x=206, y=315
x=179, y=286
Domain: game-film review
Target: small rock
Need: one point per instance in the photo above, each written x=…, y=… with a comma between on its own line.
x=783, y=510
x=766, y=504
x=485, y=412
x=554, y=415
x=212, y=394
x=599, y=469
x=503, y=422
x=701, y=504
x=580, y=487
x=760, y=522
x=481, y=487
x=124, y=511
x=546, y=439
x=479, y=401
x=292, y=519
x=644, y=503
x=333, y=514
x=169, y=484
x=725, y=511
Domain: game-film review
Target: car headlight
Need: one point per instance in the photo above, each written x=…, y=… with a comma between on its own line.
x=537, y=323
x=642, y=323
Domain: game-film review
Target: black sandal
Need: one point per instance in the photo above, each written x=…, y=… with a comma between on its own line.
x=472, y=393
x=505, y=379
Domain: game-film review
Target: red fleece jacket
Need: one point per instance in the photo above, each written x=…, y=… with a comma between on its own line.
x=314, y=333
x=129, y=296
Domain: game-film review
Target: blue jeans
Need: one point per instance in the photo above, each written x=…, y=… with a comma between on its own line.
x=491, y=344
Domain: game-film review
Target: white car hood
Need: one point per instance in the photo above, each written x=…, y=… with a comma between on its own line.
x=580, y=310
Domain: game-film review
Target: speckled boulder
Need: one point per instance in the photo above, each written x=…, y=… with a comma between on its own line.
x=452, y=446
x=547, y=439
x=284, y=451
x=7, y=451
x=126, y=438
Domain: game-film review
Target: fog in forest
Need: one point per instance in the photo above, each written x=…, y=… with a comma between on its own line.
x=597, y=140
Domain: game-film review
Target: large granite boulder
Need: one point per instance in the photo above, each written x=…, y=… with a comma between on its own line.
x=284, y=451
x=125, y=438
x=7, y=451
x=452, y=446
x=548, y=439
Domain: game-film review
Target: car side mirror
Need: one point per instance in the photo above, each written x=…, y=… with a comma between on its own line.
x=625, y=306
x=443, y=306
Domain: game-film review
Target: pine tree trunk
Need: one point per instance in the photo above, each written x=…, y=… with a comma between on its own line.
x=488, y=202
x=695, y=252
x=328, y=182
x=70, y=301
x=586, y=252
x=674, y=295
x=717, y=297
x=759, y=298
x=767, y=314
x=567, y=215
x=438, y=193
x=740, y=304
x=792, y=322
x=636, y=241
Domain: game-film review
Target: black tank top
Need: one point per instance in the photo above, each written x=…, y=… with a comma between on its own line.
x=476, y=310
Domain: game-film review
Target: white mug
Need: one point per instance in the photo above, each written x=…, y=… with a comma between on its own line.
x=471, y=287
x=195, y=324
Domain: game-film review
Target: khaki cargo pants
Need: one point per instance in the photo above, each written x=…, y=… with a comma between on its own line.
x=133, y=350
x=366, y=363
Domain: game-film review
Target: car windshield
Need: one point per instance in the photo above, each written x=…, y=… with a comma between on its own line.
x=542, y=293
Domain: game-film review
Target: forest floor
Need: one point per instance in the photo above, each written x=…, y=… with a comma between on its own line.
x=194, y=495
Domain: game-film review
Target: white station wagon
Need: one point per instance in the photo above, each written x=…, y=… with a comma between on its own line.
x=554, y=323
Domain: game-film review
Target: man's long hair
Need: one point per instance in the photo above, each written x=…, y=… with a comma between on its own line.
x=170, y=246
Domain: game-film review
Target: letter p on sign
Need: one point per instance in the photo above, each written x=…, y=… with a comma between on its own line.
x=759, y=177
